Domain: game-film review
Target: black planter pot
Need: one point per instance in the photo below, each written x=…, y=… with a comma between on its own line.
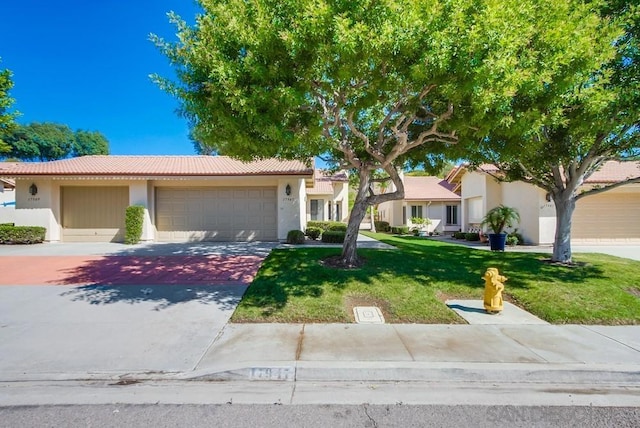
x=497, y=241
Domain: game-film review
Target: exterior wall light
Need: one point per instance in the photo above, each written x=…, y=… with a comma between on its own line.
x=287, y=190
x=33, y=189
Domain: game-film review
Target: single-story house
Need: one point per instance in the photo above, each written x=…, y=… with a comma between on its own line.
x=611, y=216
x=425, y=197
x=328, y=199
x=186, y=198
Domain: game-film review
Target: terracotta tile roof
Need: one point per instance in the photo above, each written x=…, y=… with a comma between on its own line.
x=614, y=171
x=158, y=166
x=428, y=189
x=5, y=166
x=323, y=182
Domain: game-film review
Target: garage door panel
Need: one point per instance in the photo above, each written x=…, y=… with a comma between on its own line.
x=606, y=217
x=93, y=213
x=216, y=214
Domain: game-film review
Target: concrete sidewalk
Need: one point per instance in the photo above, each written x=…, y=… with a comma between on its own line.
x=412, y=352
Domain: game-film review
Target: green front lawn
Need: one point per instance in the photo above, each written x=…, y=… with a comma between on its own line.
x=411, y=284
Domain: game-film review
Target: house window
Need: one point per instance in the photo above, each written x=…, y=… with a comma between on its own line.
x=416, y=211
x=316, y=206
x=452, y=214
x=330, y=211
x=338, y=214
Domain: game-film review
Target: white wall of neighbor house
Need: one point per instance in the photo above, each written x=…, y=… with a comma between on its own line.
x=7, y=212
x=41, y=209
x=341, y=198
x=530, y=202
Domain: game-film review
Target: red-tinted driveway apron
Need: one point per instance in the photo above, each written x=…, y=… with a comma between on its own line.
x=129, y=270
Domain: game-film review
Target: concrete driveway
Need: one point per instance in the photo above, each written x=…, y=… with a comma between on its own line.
x=110, y=309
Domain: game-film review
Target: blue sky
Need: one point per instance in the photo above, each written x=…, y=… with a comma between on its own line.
x=86, y=64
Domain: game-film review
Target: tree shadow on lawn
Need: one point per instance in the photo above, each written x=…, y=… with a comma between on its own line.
x=298, y=272
x=454, y=262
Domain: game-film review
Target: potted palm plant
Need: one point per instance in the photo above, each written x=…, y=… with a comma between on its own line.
x=497, y=219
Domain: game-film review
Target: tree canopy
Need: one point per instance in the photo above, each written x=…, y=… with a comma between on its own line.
x=52, y=141
x=376, y=85
x=89, y=143
x=6, y=118
x=595, y=118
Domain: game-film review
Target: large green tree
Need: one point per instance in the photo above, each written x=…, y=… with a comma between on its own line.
x=596, y=119
x=41, y=141
x=89, y=143
x=375, y=84
x=52, y=141
x=6, y=118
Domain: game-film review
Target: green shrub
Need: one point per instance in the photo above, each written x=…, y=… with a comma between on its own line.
x=327, y=225
x=22, y=234
x=515, y=238
x=337, y=227
x=7, y=224
x=318, y=224
x=134, y=217
x=459, y=235
x=472, y=236
x=382, y=226
x=400, y=230
x=333, y=236
x=313, y=232
x=295, y=237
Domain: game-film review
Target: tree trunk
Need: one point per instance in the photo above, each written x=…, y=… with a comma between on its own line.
x=349, y=255
x=565, y=204
x=373, y=220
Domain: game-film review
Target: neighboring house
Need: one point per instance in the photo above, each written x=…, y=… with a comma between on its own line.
x=425, y=197
x=611, y=216
x=328, y=199
x=7, y=195
x=186, y=198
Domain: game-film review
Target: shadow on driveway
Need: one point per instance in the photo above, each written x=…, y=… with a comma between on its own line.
x=224, y=298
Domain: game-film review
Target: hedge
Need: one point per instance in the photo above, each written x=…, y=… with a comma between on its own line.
x=295, y=237
x=134, y=217
x=400, y=230
x=22, y=234
x=327, y=225
x=313, y=232
x=459, y=235
x=333, y=236
x=382, y=226
x=472, y=236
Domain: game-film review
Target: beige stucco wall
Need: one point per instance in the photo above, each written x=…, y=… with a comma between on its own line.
x=291, y=208
x=473, y=198
x=41, y=209
x=534, y=211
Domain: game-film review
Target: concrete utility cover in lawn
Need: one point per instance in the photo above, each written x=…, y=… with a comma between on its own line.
x=368, y=315
x=473, y=312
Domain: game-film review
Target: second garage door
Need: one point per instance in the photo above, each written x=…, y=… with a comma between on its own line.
x=607, y=216
x=216, y=214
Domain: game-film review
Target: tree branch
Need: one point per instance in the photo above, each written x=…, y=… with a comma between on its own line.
x=597, y=190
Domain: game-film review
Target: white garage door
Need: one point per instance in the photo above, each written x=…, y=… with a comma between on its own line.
x=607, y=216
x=93, y=213
x=216, y=214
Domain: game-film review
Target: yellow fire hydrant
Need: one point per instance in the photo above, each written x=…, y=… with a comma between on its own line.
x=493, y=286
